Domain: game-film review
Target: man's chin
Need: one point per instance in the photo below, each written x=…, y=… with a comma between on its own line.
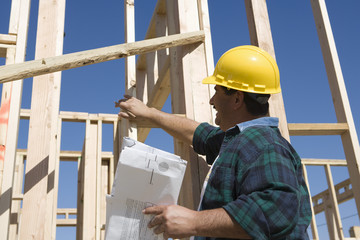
x=217, y=121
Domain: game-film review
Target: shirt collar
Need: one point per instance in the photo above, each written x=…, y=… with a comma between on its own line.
x=263, y=121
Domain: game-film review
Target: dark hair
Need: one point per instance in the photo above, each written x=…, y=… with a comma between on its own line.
x=252, y=105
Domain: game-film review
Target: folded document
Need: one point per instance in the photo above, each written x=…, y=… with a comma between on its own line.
x=145, y=176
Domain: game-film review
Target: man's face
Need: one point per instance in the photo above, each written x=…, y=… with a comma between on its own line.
x=222, y=104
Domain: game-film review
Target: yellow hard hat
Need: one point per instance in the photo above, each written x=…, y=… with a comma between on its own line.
x=248, y=69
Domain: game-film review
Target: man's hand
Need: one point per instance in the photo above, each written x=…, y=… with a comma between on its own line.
x=178, y=127
x=173, y=221
x=132, y=108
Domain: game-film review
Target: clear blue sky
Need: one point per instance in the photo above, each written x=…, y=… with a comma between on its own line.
x=93, y=24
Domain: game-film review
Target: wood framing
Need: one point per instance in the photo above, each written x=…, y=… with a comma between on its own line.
x=10, y=109
x=188, y=95
x=40, y=170
x=73, y=60
x=7, y=42
x=339, y=95
x=260, y=35
x=310, y=129
x=128, y=128
x=314, y=230
x=16, y=203
x=174, y=57
x=153, y=69
x=90, y=158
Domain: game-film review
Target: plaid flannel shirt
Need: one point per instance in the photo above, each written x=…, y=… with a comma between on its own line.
x=257, y=179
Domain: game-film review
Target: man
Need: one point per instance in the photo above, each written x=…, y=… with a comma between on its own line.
x=255, y=188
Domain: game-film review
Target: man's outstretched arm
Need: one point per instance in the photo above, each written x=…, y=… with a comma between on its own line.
x=178, y=127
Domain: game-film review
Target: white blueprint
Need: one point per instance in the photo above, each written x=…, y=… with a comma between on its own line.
x=145, y=176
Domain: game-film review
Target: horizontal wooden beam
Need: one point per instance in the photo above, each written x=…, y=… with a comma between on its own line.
x=323, y=162
x=78, y=116
x=83, y=116
x=8, y=39
x=66, y=222
x=313, y=129
x=33, y=68
x=320, y=200
x=71, y=155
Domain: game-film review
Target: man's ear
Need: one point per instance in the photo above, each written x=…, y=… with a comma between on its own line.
x=239, y=99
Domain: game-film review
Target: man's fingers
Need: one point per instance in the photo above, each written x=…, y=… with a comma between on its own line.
x=160, y=229
x=156, y=210
x=126, y=97
x=123, y=115
x=157, y=220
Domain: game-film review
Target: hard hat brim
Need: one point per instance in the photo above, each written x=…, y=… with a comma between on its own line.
x=209, y=80
x=214, y=80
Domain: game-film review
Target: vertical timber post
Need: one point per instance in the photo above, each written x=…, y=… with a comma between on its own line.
x=40, y=164
x=189, y=96
x=260, y=35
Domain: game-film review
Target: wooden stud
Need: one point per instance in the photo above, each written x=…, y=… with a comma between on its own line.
x=161, y=90
x=330, y=222
x=204, y=20
x=152, y=31
x=99, y=192
x=10, y=109
x=16, y=203
x=116, y=145
x=43, y=127
x=80, y=192
x=54, y=168
x=90, y=180
x=338, y=90
x=128, y=128
x=104, y=190
x=7, y=150
x=334, y=202
x=314, y=230
x=186, y=73
x=260, y=35
x=156, y=76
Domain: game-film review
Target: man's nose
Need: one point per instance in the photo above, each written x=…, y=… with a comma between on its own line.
x=211, y=101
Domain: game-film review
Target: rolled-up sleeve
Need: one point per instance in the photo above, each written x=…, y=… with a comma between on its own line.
x=267, y=206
